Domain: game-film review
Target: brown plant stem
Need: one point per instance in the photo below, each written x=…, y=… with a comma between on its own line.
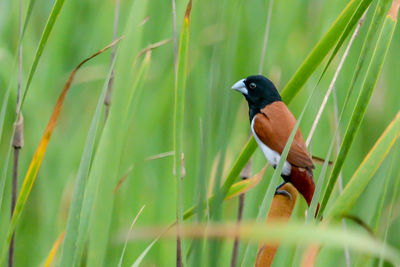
x=18, y=138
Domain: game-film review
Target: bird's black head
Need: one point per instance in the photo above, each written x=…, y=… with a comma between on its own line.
x=258, y=91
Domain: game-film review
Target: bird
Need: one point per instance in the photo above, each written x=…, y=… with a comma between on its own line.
x=271, y=124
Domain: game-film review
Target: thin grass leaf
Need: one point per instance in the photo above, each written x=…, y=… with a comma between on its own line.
x=53, y=251
x=179, y=109
x=366, y=170
x=291, y=233
x=36, y=162
x=180, y=89
x=368, y=86
x=69, y=252
x=28, y=16
x=5, y=167
x=104, y=174
x=392, y=205
x=58, y=4
x=339, y=29
x=139, y=260
x=126, y=241
x=377, y=20
x=245, y=185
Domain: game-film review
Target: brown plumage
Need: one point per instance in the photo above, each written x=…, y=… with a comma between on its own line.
x=273, y=126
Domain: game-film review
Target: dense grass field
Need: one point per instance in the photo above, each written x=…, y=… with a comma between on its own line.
x=172, y=92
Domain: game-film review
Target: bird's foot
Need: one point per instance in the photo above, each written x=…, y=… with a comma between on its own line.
x=282, y=192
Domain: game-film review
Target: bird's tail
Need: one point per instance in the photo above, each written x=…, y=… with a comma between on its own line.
x=303, y=180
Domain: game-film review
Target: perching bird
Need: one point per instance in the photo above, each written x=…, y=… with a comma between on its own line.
x=271, y=124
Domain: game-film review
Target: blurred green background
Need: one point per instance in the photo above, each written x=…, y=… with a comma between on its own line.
x=225, y=45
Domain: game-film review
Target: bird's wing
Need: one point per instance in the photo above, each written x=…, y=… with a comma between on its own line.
x=273, y=126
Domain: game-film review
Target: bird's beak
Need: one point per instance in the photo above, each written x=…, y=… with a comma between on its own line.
x=241, y=87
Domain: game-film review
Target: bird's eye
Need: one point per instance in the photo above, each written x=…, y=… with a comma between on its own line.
x=252, y=85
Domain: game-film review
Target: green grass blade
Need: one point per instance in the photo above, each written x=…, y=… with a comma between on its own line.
x=139, y=260
x=2, y=118
x=43, y=41
x=368, y=86
x=179, y=111
x=392, y=204
x=101, y=245
x=28, y=16
x=292, y=233
x=126, y=240
x=99, y=197
x=377, y=20
x=339, y=29
x=180, y=87
x=366, y=170
x=68, y=252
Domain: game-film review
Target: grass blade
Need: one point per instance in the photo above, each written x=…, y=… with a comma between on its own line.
x=291, y=233
x=368, y=86
x=126, y=241
x=180, y=88
x=147, y=249
x=58, y=4
x=104, y=174
x=53, y=251
x=340, y=28
x=245, y=185
x=366, y=170
x=69, y=252
x=34, y=166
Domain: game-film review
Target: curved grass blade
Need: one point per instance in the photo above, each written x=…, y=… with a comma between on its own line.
x=368, y=86
x=126, y=241
x=68, y=252
x=366, y=170
x=147, y=249
x=43, y=41
x=245, y=185
x=53, y=251
x=36, y=162
x=291, y=233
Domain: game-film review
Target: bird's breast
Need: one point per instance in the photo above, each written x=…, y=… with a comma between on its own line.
x=271, y=155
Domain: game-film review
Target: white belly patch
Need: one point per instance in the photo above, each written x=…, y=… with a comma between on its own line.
x=271, y=155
